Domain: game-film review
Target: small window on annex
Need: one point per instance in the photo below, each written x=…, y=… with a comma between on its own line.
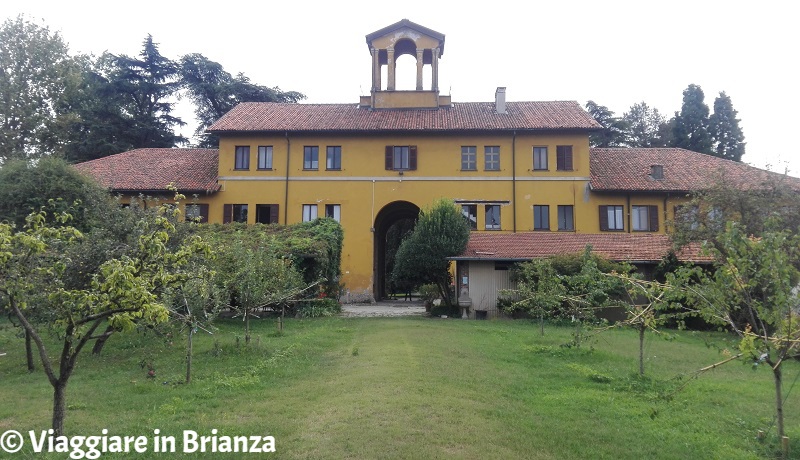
x=492, y=217
x=644, y=218
x=612, y=218
x=470, y=213
x=197, y=212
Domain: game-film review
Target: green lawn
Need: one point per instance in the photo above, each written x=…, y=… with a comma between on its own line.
x=415, y=388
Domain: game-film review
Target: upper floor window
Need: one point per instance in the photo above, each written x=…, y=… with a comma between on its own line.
x=541, y=217
x=267, y=213
x=564, y=158
x=612, y=218
x=309, y=212
x=469, y=161
x=687, y=216
x=264, y=157
x=470, y=213
x=234, y=213
x=566, y=218
x=644, y=218
x=242, y=160
x=492, y=217
x=401, y=158
x=333, y=158
x=311, y=157
x=491, y=155
x=333, y=211
x=540, y=158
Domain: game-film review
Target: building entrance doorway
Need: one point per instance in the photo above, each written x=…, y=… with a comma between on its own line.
x=392, y=223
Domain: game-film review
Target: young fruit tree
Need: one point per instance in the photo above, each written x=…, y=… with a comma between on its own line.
x=122, y=292
x=753, y=290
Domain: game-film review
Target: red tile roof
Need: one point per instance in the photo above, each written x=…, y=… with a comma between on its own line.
x=626, y=247
x=624, y=169
x=471, y=116
x=140, y=170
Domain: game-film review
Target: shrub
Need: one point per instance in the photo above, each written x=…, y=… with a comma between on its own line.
x=319, y=308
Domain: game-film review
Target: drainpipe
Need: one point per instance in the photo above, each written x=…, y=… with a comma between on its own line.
x=286, y=190
x=514, y=179
x=628, y=206
x=665, y=212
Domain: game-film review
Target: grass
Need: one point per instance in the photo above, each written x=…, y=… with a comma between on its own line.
x=416, y=388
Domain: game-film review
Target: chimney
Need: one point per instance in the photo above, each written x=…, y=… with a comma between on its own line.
x=500, y=99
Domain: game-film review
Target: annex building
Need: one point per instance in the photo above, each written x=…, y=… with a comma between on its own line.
x=522, y=172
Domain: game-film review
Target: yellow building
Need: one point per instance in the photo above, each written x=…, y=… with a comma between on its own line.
x=512, y=166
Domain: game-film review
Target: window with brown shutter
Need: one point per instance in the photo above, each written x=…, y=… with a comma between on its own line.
x=653, y=218
x=604, y=218
x=644, y=218
x=227, y=214
x=267, y=213
x=400, y=157
x=564, y=157
x=612, y=218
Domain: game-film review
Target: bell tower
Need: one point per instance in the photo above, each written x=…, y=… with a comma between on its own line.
x=388, y=44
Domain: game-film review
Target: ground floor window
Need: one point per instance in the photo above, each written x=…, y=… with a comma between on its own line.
x=267, y=213
x=334, y=211
x=492, y=217
x=309, y=212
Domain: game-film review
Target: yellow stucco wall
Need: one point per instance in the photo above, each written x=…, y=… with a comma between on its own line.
x=363, y=187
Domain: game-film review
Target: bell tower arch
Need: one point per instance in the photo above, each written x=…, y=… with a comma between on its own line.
x=386, y=46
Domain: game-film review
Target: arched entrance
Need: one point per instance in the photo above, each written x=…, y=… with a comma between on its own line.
x=391, y=223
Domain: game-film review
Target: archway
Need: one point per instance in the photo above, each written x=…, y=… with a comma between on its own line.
x=393, y=219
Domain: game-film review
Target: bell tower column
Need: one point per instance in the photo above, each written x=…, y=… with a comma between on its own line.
x=391, y=63
x=376, y=70
x=420, y=64
x=435, y=71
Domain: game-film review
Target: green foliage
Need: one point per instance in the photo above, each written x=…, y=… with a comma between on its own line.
x=428, y=293
x=615, y=129
x=318, y=308
x=691, y=130
x=440, y=232
x=725, y=131
x=646, y=126
x=215, y=91
x=35, y=67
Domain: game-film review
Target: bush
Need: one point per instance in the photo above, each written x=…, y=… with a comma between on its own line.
x=429, y=293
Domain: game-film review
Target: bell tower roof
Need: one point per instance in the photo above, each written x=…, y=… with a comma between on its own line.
x=410, y=27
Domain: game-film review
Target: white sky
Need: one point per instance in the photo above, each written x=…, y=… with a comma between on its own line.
x=616, y=53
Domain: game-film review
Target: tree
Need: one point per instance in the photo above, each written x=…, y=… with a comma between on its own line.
x=144, y=85
x=121, y=293
x=691, y=128
x=539, y=291
x=645, y=126
x=615, y=129
x=752, y=291
x=35, y=64
x=724, y=127
x=441, y=231
x=215, y=91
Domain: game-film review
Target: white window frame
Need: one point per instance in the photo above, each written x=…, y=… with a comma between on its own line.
x=491, y=154
x=336, y=214
x=616, y=217
x=264, y=157
x=540, y=158
x=469, y=158
x=640, y=218
x=309, y=212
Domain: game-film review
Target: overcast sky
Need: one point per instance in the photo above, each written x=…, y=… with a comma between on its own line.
x=616, y=53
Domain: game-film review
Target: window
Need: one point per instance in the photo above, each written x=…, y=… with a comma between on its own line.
x=540, y=158
x=242, y=157
x=401, y=158
x=541, y=217
x=470, y=213
x=333, y=158
x=469, y=160
x=564, y=158
x=309, y=212
x=644, y=218
x=492, y=217
x=267, y=213
x=491, y=156
x=612, y=218
x=687, y=216
x=264, y=157
x=311, y=157
x=333, y=211
x=234, y=213
x=566, y=218
x=197, y=212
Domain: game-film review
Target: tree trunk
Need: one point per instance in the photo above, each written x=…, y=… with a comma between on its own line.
x=641, y=349
x=59, y=406
x=101, y=341
x=541, y=323
x=776, y=372
x=29, y=351
x=189, y=357
x=246, y=329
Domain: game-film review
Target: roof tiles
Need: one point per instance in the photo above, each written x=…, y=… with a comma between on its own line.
x=627, y=247
x=471, y=116
x=190, y=170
